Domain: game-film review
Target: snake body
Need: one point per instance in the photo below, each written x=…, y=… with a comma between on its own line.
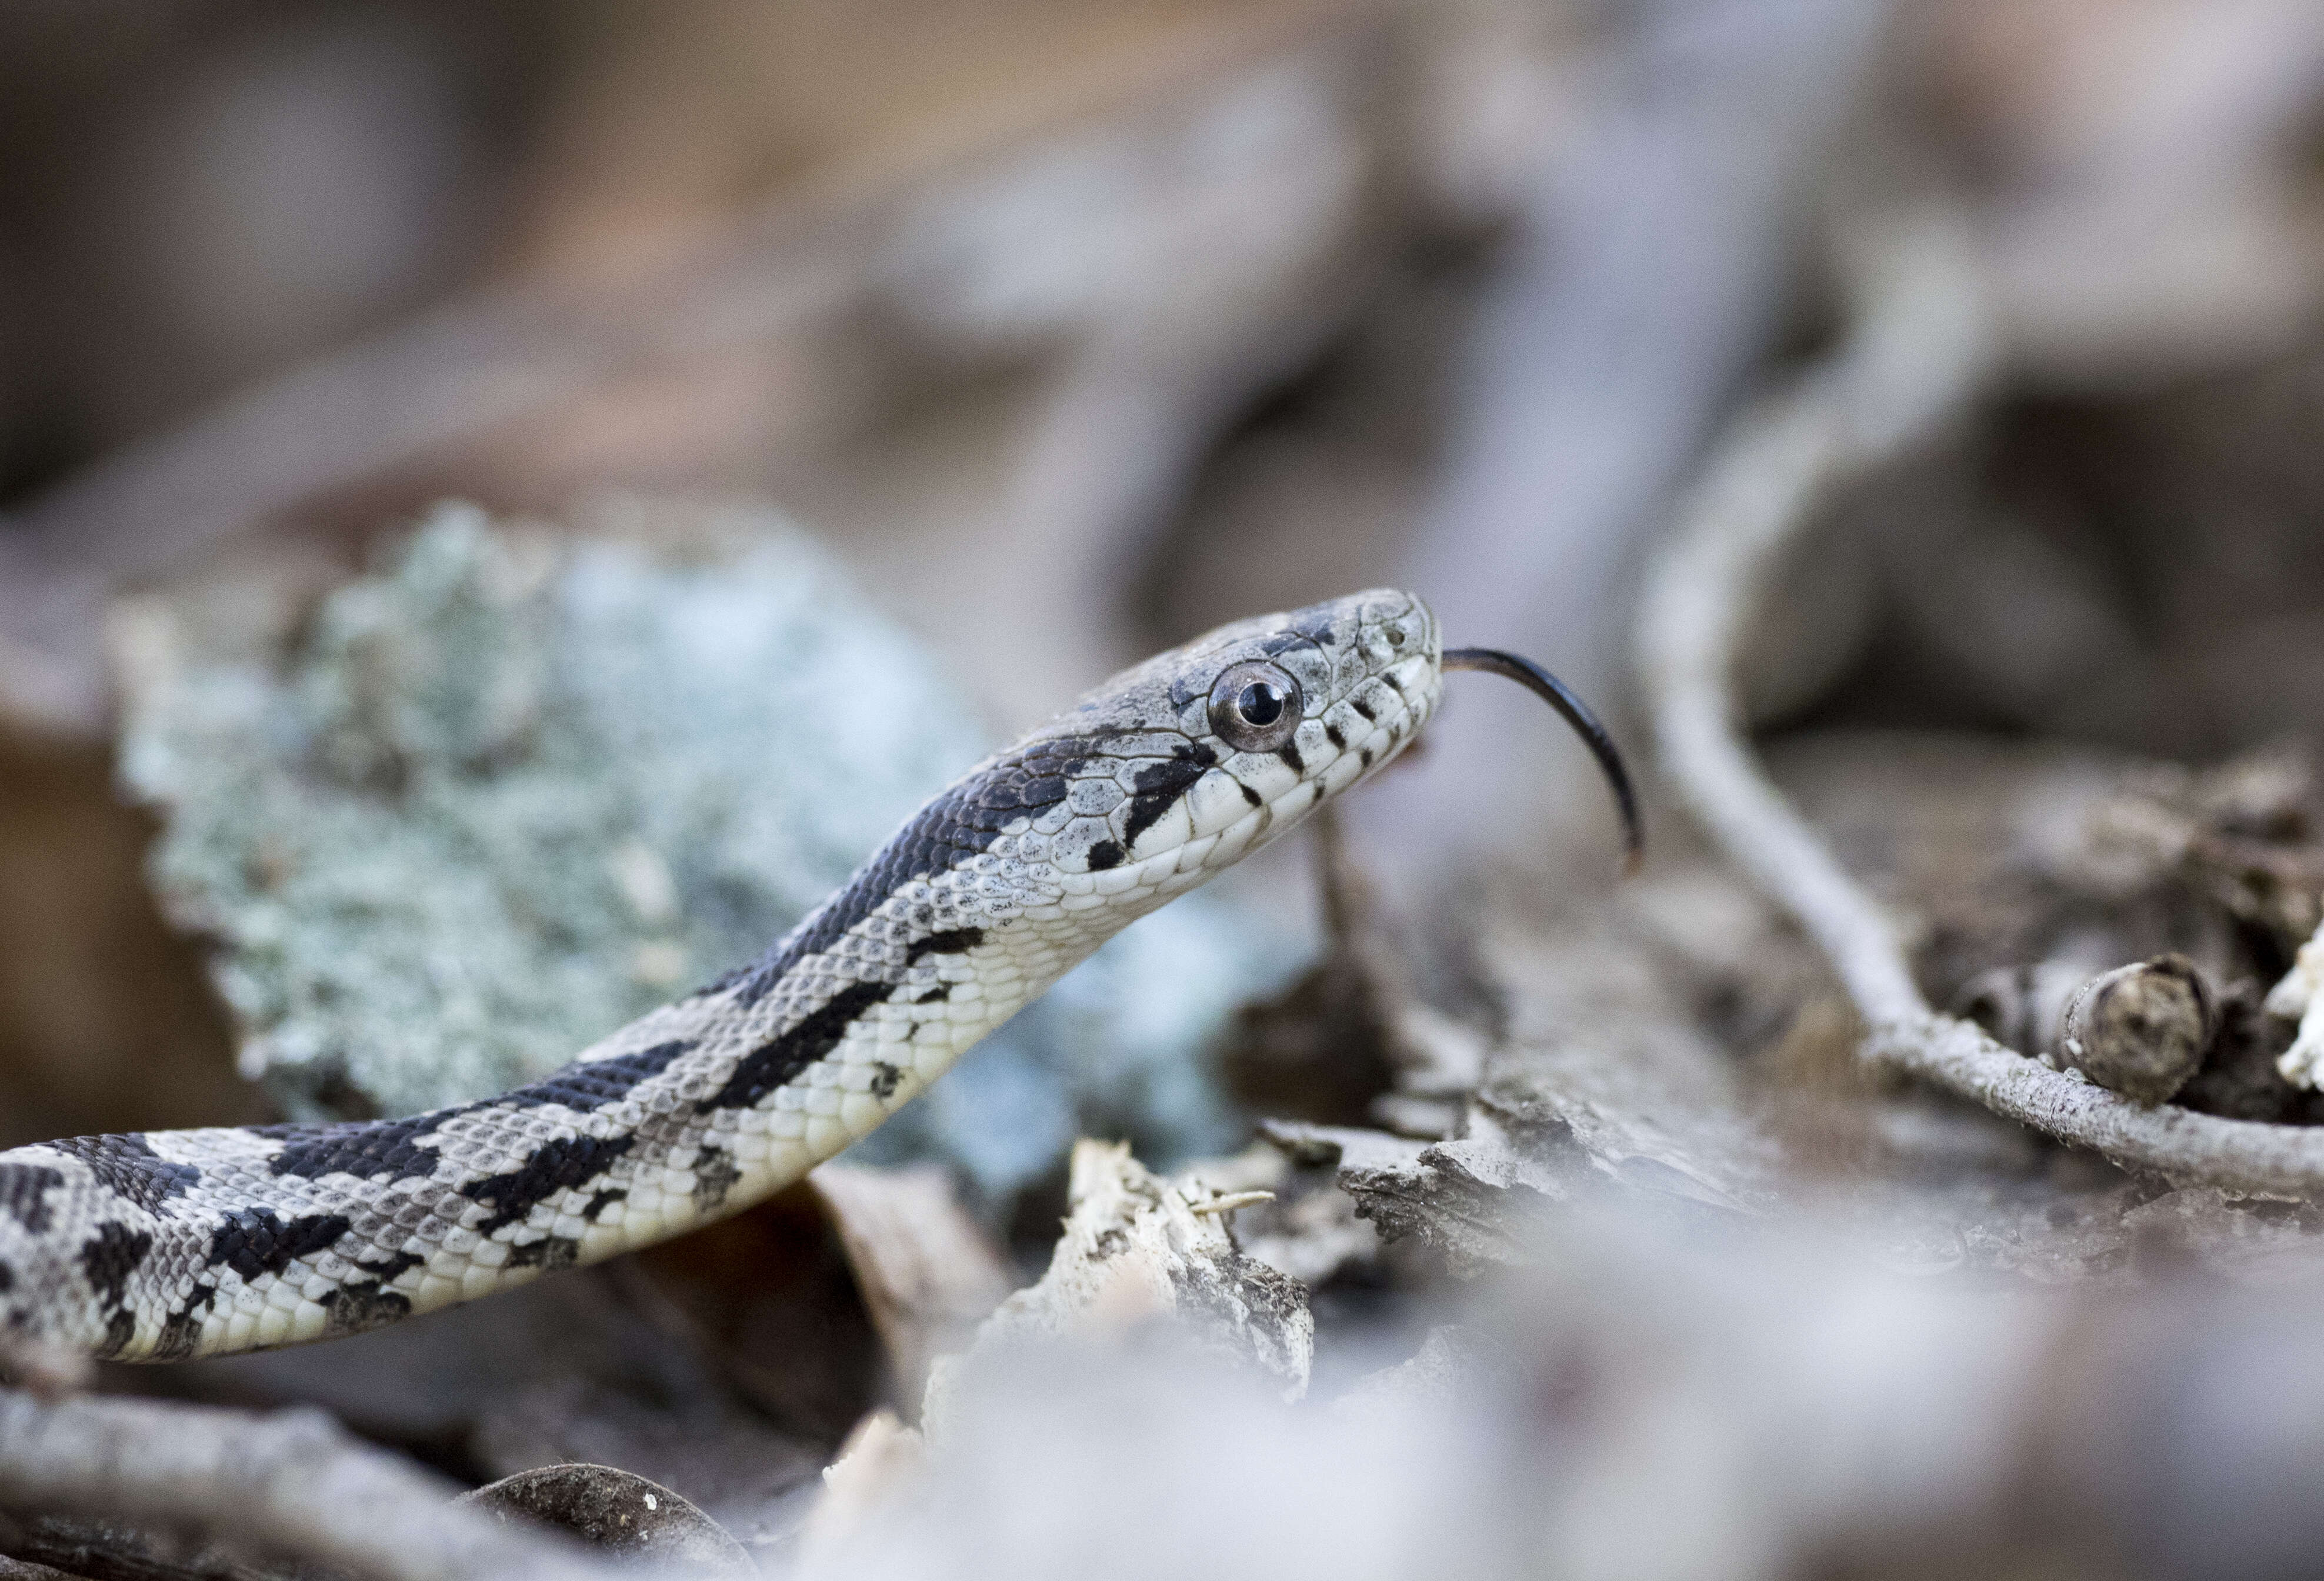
x=166, y=1244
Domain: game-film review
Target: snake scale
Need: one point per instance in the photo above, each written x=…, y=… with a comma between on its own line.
x=166, y=1244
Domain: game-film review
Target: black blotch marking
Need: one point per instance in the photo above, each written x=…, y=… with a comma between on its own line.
x=602, y=1200
x=394, y=1268
x=1394, y=684
x=1158, y=786
x=775, y=1061
x=549, y=1252
x=391, y=1150
x=1365, y=756
x=595, y=1084
x=960, y=822
x=885, y=1078
x=23, y=1193
x=1331, y=734
x=714, y=1175
x=256, y=1242
x=555, y=1166
x=7, y=1279
x=1291, y=758
x=181, y=1330
x=128, y=1166
x=368, y=1150
x=1248, y=795
x=952, y=942
x=935, y=996
x=119, y=1329
x=108, y=1258
x=1317, y=635
x=1104, y=854
x=354, y=1307
x=1365, y=709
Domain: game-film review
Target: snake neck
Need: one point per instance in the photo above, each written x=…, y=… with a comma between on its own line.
x=171, y=1244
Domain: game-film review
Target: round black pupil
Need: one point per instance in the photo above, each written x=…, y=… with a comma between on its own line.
x=1260, y=703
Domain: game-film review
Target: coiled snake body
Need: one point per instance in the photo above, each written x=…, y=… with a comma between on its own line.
x=173, y=1244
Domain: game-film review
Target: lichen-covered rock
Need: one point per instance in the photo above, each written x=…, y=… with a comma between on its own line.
x=515, y=789
x=506, y=796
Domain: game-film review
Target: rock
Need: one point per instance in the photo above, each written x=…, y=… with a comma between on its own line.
x=511, y=791
x=622, y=1513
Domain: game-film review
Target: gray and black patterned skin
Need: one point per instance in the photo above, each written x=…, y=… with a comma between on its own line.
x=175, y=1243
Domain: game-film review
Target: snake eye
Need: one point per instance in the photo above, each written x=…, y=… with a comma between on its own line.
x=1255, y=706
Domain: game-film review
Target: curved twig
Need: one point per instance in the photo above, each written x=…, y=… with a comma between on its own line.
x=1920, y=351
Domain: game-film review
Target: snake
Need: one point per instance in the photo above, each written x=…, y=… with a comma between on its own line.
x=162, y=1246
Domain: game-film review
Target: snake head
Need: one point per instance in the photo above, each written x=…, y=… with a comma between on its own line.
x=1183, y=765
x=1222, y=744
x=1186, y=763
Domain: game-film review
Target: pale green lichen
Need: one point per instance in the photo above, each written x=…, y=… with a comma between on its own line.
x=508, y=793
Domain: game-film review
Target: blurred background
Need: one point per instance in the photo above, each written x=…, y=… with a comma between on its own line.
x=1067, y=331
